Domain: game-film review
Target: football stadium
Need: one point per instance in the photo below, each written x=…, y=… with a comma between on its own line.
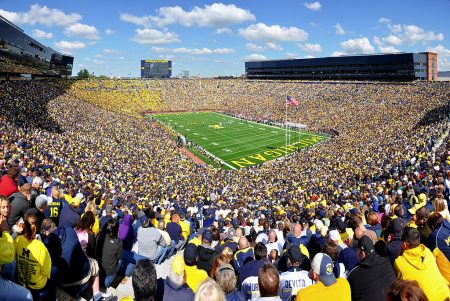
x=269, y=174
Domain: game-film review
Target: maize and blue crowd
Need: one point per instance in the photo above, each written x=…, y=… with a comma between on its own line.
x=93, y=193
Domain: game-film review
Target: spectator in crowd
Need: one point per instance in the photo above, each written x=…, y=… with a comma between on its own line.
x=248, y=276
x=326, y=285
x=126, y=232
x=109, y=251
x=372, y=277
x=418, y=263
x=33, y=261
x=175, y=231
x=41, y=205
x=106, y=217
x=8, y=289
x=55, y=204
x=9, y=181
x=144, y=281
x=20, y=203
x=69, y=216
x=86, y=236
x=209, y=290
x=395, y=243
x=194, y=275
x=206, y=253
x=169, y=242
x=439, y=245
x=406, y=290
x=67, y=254
x=295, y=278
x=268, y=283
x=226, y=279
x=175, y=287
x=151, y=243
x=243, y=255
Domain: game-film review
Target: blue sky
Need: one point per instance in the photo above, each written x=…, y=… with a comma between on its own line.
x=216, y=38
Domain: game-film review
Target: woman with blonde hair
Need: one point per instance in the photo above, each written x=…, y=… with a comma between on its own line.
x=440, y=206
x=90, y=206
x=209, y=290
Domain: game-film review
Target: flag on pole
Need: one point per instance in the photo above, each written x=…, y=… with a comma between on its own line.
x=291, y=101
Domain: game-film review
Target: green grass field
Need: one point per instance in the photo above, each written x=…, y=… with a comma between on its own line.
x=238, y=143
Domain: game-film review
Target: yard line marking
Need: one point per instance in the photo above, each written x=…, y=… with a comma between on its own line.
x=215, y=143
x=195, y=134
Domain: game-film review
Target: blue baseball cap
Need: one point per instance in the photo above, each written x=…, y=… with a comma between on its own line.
x=322, y=265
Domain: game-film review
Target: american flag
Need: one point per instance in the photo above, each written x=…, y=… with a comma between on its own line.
x=291, y=101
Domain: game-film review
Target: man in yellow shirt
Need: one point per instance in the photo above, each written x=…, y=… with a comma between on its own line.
x=327, y=287
x=194, y=276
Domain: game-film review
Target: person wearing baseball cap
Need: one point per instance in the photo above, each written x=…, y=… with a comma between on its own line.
x=294, y=279
x=175, y=287
x=371, y=278
x=206, y=253
x=194, y=275
x=327, y=286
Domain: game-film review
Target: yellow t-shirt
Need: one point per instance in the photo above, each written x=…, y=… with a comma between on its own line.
x=194, y=277
x=33, y=262
x=196, y=241
x=185, y=229
x=339, y=291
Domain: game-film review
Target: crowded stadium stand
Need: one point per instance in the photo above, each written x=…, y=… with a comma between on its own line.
x=382, y=67
x=21, y=54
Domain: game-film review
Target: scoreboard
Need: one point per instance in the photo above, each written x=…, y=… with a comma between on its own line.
x=156, y=68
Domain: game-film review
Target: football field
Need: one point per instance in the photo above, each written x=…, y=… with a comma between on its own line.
x=236, y=142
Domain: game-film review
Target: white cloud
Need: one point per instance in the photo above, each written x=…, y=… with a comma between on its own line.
x=215, y=15
x=121, y=57
x=109, y=32
x=384, y=20
x=291, y=55
x=39, y=34
x=309, y=56
x=194, y=51
x=274, y=46
x=339, y=29
x=441, y=51
x=154, y=37
x=260, y=48
x=98, y=55
x=338, y=53
x=223, y=50
x=255, y=48
x=388, y=49
x=265, y=33
x=400, y=34
x=110, y=51
x=41, y=15
x=314, y=6
x=223, y=30
x=357, y=46
x=310, y=48
x=255, y=57
x=160, y=49
x=97, y=62
x=79, y=30
x=393, y=40
x=69, y=47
